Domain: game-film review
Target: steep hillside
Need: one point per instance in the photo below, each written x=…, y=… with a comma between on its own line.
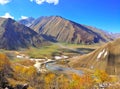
x=63, y=30
x=14, y=35
x=106, y=58
x=101, y=32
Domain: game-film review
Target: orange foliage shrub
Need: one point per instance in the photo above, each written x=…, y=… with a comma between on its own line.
x=101, y=76
x=63, y=82
x=4, y=62
x=49, y=80
x=81, y=82
x=24, y=73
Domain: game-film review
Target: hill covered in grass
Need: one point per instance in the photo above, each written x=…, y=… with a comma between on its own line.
x=106, y=58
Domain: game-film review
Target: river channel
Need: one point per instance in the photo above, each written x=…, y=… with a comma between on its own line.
x=59, y=69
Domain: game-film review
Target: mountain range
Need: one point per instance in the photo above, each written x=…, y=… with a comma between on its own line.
x=115, y=35
x=32, y=32
x=63, y=30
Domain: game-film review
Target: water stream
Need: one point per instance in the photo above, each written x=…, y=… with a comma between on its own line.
x=57, y=68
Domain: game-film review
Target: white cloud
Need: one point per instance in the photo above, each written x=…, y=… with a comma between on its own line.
x=53, y=1
x=48, y=1
x=7, y=15
x=23, y=17
x=3, y=2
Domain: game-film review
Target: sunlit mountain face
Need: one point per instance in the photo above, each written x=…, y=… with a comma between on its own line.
x=63, y=30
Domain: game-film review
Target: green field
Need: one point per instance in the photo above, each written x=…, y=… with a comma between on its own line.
x=52, y=50
x=58, y=49
x=46, y=51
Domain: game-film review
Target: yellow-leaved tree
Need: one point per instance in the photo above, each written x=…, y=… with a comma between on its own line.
x=100, y=76
x=81, y=82
x=4, y=63
x=49, y=81
x=23, y=73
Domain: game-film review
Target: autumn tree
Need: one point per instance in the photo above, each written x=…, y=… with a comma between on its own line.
x=23, y=73
x=5, y=70
x=100, y=76
x=62, y=82
x=81, y=82
x=4, y=62
x=49, y=81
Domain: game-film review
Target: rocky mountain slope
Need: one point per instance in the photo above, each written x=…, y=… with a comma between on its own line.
x=14, y=35
x=106, y=58
x=63, y=30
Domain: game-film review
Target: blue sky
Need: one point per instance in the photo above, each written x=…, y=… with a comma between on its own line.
x=103, y=14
